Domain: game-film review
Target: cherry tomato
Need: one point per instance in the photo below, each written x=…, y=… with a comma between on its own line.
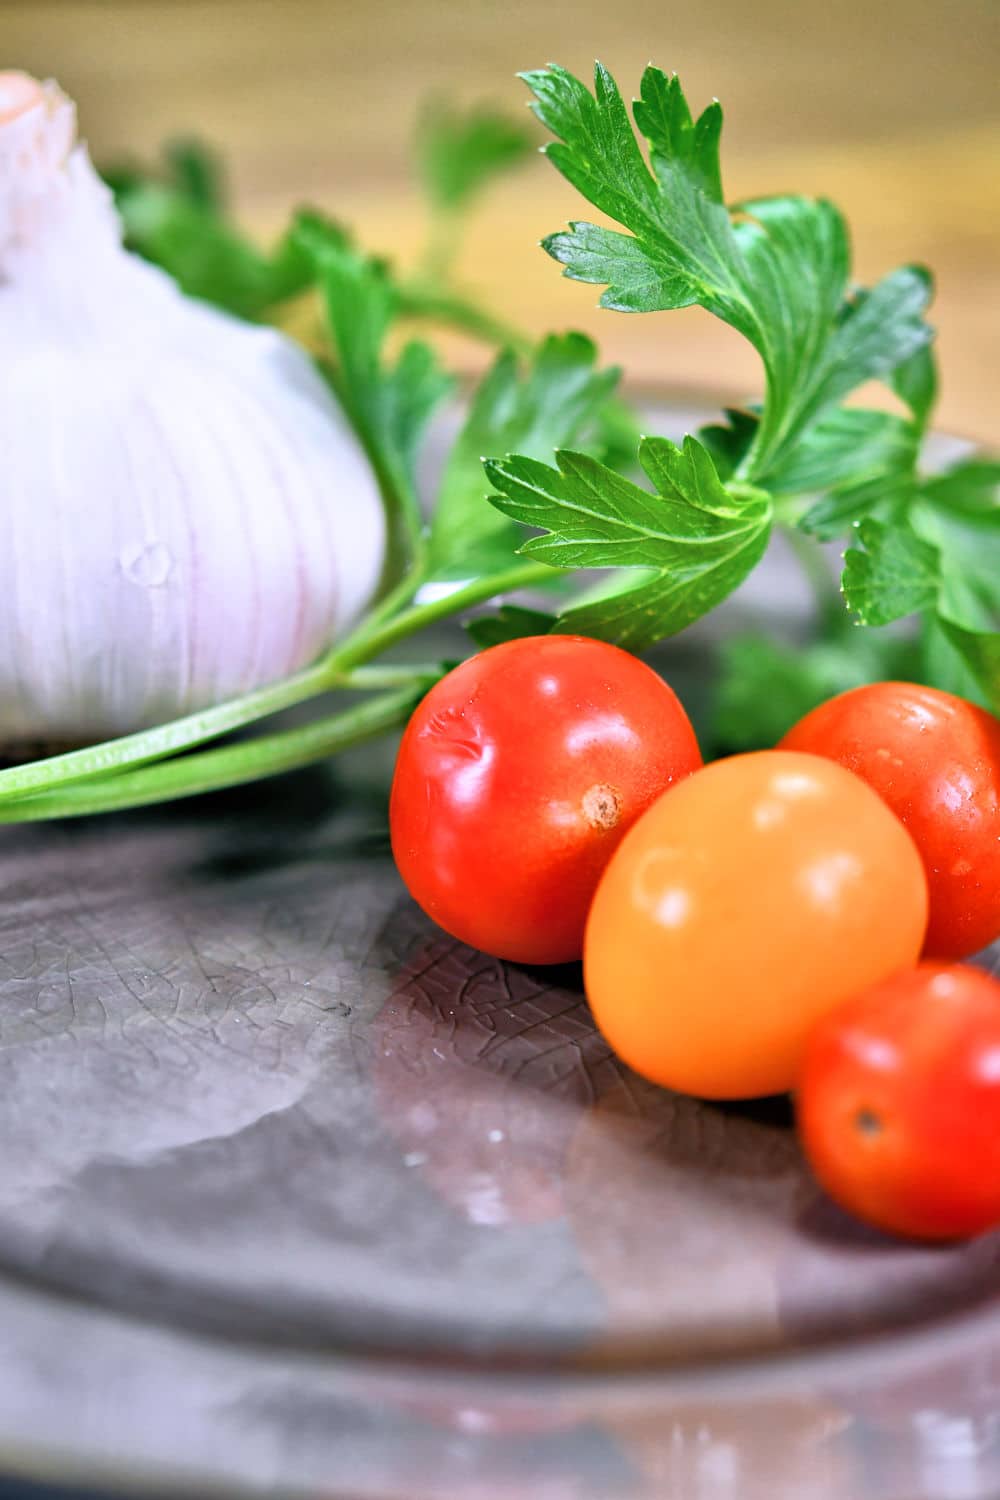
x=747, y=902
x=899, y=1102
x=516, y=779
x=935, y=760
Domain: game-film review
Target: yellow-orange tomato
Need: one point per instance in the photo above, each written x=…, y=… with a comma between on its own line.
x=744, y=904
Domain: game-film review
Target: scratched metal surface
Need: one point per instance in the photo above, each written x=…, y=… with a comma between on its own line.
x=256, y=1113
x=298, y=1192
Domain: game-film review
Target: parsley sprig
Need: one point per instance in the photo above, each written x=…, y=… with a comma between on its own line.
x=779, y=271
x=670, y=530
x=775, y=269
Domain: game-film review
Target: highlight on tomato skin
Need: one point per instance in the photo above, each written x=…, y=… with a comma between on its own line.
x=516, y=779
x=935, y=760
x=898, y=1103
x=759, y=893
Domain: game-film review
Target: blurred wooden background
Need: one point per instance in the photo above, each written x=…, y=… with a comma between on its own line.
x=889, y=106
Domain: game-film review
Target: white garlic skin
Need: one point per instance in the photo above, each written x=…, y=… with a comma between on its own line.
x=184, y=513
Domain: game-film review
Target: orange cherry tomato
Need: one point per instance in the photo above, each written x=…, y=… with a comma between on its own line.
x=899, y=1102
x=935, y=760
x=748, y=901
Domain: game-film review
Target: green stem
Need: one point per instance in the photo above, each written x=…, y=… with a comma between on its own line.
x=366, y=645
x=829, y=605
x=405, y=539
x=377, y=677
x=165, y=739
x=339, y=669
x=231, y=765
x=148, y=745
x=405, y=543
x=442, y=245
x=420, y=299
x=395, y=600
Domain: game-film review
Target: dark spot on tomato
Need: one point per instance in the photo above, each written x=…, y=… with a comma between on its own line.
x=867, y=1122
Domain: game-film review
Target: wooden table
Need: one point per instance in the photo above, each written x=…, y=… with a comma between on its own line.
x=891, y=109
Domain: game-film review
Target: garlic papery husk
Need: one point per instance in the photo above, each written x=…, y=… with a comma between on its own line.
x=185, y=514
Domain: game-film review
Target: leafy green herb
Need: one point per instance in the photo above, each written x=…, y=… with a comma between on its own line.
x=945, y=662
x=695, y=539
x=197, y=173
x=559, y=400
x=892, y=574
x=776, y=269
x=968, y=548
x=389, y=401
x=970, y=486
x=766, y=686
x=941, y=558
x=175, y=215
x=915, y=381
x=857, y=461
x=459, y=152
x=511, y=622
x=981, y=652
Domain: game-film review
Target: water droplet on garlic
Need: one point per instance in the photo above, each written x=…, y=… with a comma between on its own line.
x=185, y=514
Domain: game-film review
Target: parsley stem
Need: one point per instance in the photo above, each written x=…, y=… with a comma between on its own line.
x=164, y=739
x=442, y=245
x=132, y=750
x=369, y=644
x=341, y=668
x=230, y=765
x=426, y=299
x=813, y=562
x=391, y=604
x=377, y=677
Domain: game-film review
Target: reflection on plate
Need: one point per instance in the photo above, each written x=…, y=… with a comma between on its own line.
x=296, y=1190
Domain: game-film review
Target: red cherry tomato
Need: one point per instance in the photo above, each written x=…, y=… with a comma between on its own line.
x=516, y=779
x=935, y=760
x=899, y=1102
x=754, y=897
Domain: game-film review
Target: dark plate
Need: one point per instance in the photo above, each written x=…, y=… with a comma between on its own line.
x=298, y=1193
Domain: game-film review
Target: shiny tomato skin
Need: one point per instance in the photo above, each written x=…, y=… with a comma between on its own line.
x=755, y=896
x=899, y=1103
x=515, y=781
x=935, y=760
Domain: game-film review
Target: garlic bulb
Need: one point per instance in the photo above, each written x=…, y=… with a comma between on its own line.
x=184, y=512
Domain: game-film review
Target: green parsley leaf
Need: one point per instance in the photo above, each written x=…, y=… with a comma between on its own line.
x=981, y=652
x=968, y=549
x=510, y=623
x=460, y=151
x=892, y=574
x=730, y=441
x=944, y=553
x=950, y=568
x=972, y=485
x=862, y=462
x=389, y=402
x=699, y=537
x=915, y=381
x=776, y=269
x=197, y=173
x=766, y=686
x=616, y=435
x=558, y=400
x=849, y=446
x=175, y=216
x=944, y=664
